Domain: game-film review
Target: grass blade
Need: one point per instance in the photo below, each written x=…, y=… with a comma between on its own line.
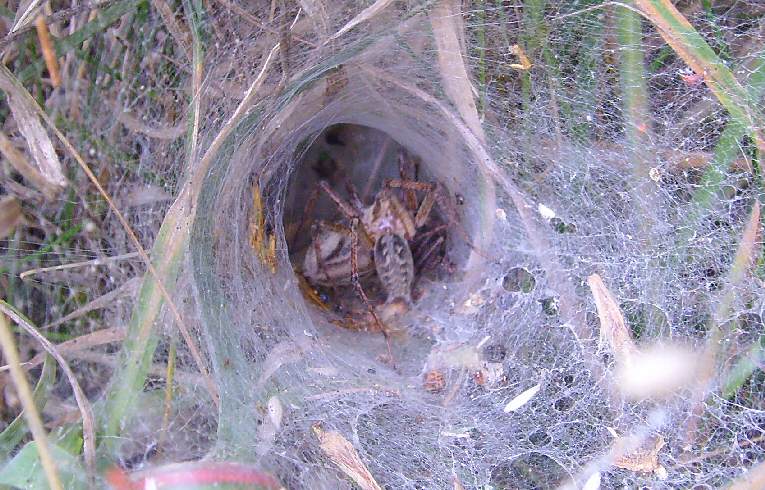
x=86, y=411
x=27, y=401
x=729, y=146
x=14, y=433
x=701, y=58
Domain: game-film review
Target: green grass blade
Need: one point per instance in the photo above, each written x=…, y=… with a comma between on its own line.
x=729, y=145
x=743, y=369
x=633, y=80
x=16, y=430
x=142, y=339
x=694, y=50
x=168, y=251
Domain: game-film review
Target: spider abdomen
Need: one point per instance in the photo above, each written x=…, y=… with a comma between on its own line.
x=395, y=266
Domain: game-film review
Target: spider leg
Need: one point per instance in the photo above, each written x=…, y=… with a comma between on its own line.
x=357, y=284
x=345, y=207
x=355, y=199
x=425, y=256
x=405, y=164
x=433, y=231
x=431, y=197
x=436, y=194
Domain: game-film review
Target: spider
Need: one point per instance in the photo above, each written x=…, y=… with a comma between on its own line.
x=379, y=238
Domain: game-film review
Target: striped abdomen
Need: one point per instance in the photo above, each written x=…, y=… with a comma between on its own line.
x=395, y=266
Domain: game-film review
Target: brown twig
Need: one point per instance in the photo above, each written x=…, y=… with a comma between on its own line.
x=50, y=19
x=48, y=51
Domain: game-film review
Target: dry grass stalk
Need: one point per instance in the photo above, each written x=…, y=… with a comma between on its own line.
x=191, y=379
x=446, y=21
x=20, y=163
x=27, y=402
x=451, y=63
x=457, y=483
x=746, y=255
x=10, y=215
x=242, y=109
x=24, y=15
x=168, y=18
x=344, y=455
x=129, y=289
x=238, y=10
x=81, y=343
x=48, y=51
x=613, y=330
x=363, y=16
x=8, y=79
x=87, y=263
x=86, y=411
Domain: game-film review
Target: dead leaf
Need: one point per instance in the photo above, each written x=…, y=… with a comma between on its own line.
x=525, y=64
x=613, y=329
x=20, y=163
x=644, y=459
x=10, y=215
x=37, y=139
x=344, y=455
